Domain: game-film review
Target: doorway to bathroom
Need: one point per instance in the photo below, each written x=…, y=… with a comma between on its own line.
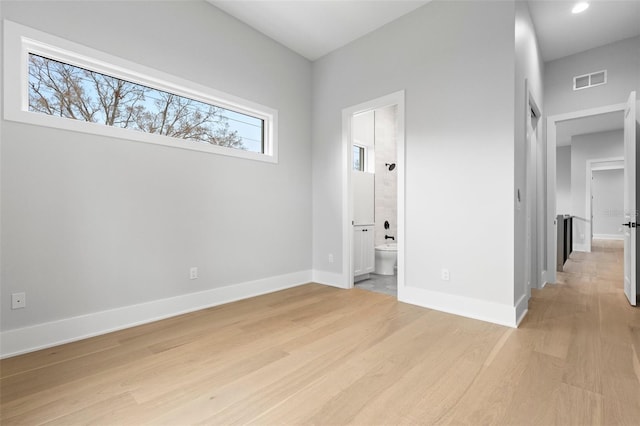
x=373, y=233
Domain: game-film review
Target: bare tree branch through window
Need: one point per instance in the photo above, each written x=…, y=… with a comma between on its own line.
x=64, y=90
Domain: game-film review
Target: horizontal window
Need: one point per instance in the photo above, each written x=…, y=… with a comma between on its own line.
x=63, y=90
x=68, y=86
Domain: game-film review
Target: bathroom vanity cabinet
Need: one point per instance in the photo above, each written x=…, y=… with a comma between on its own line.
x=363, y=250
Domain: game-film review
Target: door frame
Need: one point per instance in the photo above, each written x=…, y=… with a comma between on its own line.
x=631, y=253
x=614, y=163
x=534, y=245
x=552, y=121
x=398, y=99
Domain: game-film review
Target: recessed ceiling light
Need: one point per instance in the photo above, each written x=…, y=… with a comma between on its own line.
x=580, y=7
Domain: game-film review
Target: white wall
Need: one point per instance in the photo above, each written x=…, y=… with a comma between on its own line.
x=608, y=203
x=529, y=67
x=459, y=212
x=386, y=185
x=91, y=223
x=563, y=180
x=620, y=59
x=591, y=146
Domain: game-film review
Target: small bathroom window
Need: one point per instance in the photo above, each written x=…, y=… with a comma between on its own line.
x=358, y=158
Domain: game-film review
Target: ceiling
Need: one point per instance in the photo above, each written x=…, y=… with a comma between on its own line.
x=314, y=28
x=582, y=126
x=561, y=33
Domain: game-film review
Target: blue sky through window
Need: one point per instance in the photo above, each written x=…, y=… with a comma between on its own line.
x=60, y=89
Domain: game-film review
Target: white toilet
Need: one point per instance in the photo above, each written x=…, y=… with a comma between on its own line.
x=386, y=259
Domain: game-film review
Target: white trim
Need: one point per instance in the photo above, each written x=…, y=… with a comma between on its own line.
x=535, y=281
x=20, y=40
x=522, y=308
x=552, y=223
x=40, y=336
x=608, y=237
x=396, y=98
x=551, y=175
x=613, y=165
x=543, y=278
x=581, y=247
x=464, y=306
x=329, y=278
x=586, y=113
x=362, y=277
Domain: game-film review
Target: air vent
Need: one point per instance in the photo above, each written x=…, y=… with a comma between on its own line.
x=589, y=80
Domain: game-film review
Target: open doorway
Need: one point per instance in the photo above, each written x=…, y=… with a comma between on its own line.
x=374, y=193
x=560, y=174
x=605, y=199
x=595, y=144
x=584, y=145
x=373, y=233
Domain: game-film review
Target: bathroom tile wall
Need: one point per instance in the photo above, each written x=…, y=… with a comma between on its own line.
x=385, y=181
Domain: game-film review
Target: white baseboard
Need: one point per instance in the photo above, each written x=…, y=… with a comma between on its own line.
x=608, y=237
x=546, y=278
x=581, y=247
x=459, y=305
x=40, y=336
x=361, y=278
x=329, y=278
x=522, y=308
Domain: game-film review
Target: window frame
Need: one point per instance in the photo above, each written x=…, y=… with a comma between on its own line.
x=20, y=41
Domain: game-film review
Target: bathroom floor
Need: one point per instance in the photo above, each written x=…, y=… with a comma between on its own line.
x=387, y=284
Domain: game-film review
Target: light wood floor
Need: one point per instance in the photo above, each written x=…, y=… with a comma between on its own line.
x=319, y=355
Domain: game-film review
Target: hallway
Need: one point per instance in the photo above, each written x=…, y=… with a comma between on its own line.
x=589, y=336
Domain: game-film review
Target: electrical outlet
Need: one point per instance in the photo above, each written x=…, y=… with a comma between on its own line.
x=444, y=275
x=18, y=300
x=193, y=273
x=330, y=258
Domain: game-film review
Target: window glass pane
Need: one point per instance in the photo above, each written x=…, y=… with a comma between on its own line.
x=64, y=90
x=358, y=158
